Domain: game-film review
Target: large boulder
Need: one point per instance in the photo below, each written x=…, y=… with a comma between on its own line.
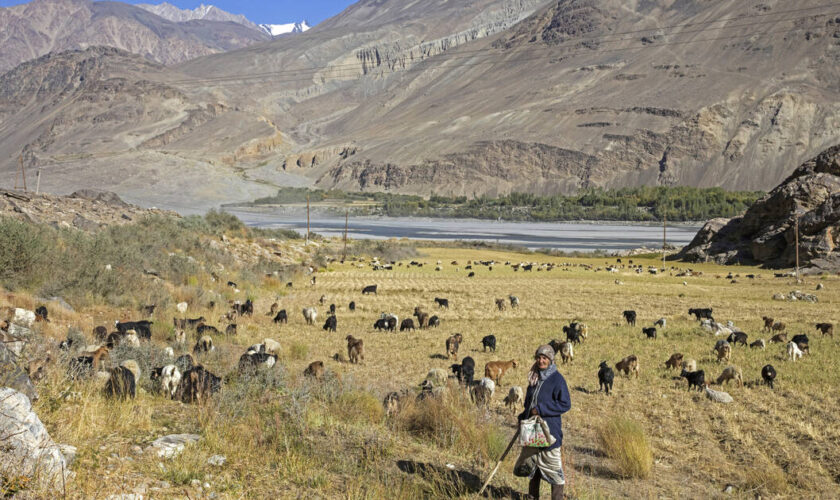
x=27, y=447
x=766, y=235
x=14, y=376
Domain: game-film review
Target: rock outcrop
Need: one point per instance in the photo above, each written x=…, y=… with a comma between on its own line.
x=766, y=233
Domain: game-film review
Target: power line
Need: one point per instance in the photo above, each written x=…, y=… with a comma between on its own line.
x=337, y=74
x=570, y=43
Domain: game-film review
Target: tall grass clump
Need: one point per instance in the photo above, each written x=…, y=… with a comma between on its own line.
x=625, y=442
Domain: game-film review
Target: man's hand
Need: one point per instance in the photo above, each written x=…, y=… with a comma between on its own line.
x=534, y=412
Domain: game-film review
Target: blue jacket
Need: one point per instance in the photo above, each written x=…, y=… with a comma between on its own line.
x=552, y=401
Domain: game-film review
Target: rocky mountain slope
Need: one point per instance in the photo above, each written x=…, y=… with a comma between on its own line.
x=30, y=30
x=766, y=233
x=468, y=97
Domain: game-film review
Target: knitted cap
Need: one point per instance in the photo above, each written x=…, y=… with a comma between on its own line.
x=545, y=350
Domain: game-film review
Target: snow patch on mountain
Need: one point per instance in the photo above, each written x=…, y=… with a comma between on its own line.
x=282, y=29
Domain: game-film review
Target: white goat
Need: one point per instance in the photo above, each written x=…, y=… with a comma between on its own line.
x=794, y=351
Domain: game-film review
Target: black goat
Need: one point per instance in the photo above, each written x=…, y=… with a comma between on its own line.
x=281, y=317
x=737, y=338
x=768, y=373
x=650, y=332
x=489, y=342
x=696, y=379
x=605, y=378
x=630, y=317
x=331, y=324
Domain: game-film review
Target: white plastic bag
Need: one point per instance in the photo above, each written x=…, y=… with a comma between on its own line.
x=534, y=433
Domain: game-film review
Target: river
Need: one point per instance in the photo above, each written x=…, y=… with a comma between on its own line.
x=567, y=236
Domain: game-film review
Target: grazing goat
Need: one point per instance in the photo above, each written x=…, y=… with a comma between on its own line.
x=731, y=373
x=768, y=323
x=407, y=324
x=701, y=312
x=737, y=338
x=310, y=314
x=496, y=369
x=826, y=328
x=483, y=391
x=422, y=317
x=488, y=342
x=793, y=351
x=801, y=341
x=169, y=377
x=197, y=385
x=675, y=361
x=184, y=362
x=514, y=398
x=514, y=301
x=723, y=350
x=41, y=314
x=695, y=379
x=567, y=352
x=391, y=404
x=629, y=317
x=660, y=323
x=352, y=306
x=355, y=349
x=650, y=332
x=122, y=382
x=369, y=289
x=768, y=374
x=628, y=365
x=231, y=329
x=779, y=337
x=501, y=304
x=572, y=334
x=331, y=324
x=314, y=370
x=434, y=322
x=465, y=371
x=435, y=378
x=143, y=328
x=204, y=344
x=605, y=378
x=281, y=317
x=758, y=344
x=251, y=360
x=442, y=303
x=778, y=326
x=100, y=333
x=207, y=330
x=452, y=344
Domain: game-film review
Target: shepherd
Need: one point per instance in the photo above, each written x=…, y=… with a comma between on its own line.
x=548, y=397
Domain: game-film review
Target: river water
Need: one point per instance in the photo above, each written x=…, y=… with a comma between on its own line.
x=567, y=236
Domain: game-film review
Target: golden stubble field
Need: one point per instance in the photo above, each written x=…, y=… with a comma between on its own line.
x=772, y=443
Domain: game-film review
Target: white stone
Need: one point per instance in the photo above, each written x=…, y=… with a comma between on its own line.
x=217, y=460
x=171, y=445
x=182, y=307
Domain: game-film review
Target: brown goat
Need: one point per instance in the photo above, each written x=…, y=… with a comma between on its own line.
x=778, y=326
x=355, y=349
x=675, y=361
x=628, y=365
x=724, y=352
x=826, y=328
x=768, y=323
x=731, y=373
x=37, y=368
x=98, y=355
x=100, y=333
x=501, y=304
x=315, y=369
x=452, y=344
x=779, y=337
x=496, y=369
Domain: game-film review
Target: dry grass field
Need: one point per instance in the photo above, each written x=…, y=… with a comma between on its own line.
x=285, y=436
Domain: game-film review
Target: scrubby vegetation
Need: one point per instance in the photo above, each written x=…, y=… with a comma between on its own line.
x=640, y=204
x=625, y=442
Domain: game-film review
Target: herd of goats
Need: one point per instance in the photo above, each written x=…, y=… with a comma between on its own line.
x=186, y=380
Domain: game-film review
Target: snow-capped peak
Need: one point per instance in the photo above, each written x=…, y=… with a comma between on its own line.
x=282, y=29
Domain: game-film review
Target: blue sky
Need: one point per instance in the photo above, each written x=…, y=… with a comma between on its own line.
x=258, y=11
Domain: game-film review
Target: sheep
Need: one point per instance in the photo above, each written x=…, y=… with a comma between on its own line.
x=758, y=344
x=736, y=338
x=271, y=346
x=131, y=339
x=488, y=342
x=768, y=323
x=483, y=391
x=779, y=337
x=731, y=373
x=724, y=351
x=515, y=397
x=514, y=301
x=628, y=365
x=331, y=324
x=660, y=323
x=650, y=332
x=204, y=344
x=169, y=377
x=310, y=314
x=452, y=344
x=435, y=378
x=825, y=328
x=567, y=352
x=675, y=361
x=407, y=324
x=605, y=378
x=314, y=370
x=694, y=378
x=496, y=369
x=629, y=317
x=355, y=349
x=793, y=351
x=768, y=374
x=689, y=365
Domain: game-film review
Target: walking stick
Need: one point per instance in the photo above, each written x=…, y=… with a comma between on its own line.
x=499, y=463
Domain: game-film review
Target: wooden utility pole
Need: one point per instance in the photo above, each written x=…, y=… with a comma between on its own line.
x=346, y=220
x=38, y=182
x=664, y=235
x=796, y=238
x=307, y=220
x=22, y=173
